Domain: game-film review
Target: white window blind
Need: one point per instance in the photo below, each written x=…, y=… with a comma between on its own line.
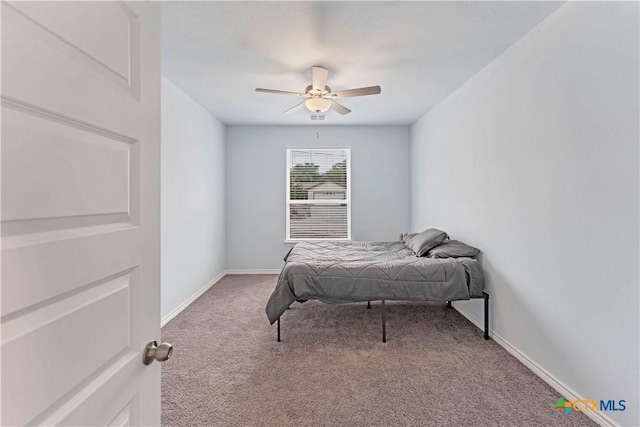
x=318, y=194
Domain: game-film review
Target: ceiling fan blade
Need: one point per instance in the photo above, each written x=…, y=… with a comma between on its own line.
x=371, y=90
x=281, y=92
x=319, y=78
x=339, y=108
x=294, y=108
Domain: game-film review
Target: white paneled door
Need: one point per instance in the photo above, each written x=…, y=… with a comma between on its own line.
x=80, y=212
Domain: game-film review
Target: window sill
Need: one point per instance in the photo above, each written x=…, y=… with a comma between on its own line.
x=293, y=242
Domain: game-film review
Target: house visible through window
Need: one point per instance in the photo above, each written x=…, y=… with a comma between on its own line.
x=318, y=194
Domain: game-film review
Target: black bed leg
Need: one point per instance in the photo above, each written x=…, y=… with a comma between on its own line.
x=449, y=304
x=486, y=315
x=384, y=324
x=368, y=304
x=278, y=329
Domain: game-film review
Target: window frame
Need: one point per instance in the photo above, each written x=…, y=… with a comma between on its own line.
x=347, y=199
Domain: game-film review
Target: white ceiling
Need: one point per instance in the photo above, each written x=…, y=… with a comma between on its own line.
x=418, y=52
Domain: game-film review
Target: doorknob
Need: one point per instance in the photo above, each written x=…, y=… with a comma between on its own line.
x=153, y=351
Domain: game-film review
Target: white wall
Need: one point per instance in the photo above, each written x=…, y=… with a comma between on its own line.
x=535, y=161
x=256, y=190
x=193, y=197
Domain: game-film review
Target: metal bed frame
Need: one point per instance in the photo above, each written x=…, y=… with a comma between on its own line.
x=485, y=297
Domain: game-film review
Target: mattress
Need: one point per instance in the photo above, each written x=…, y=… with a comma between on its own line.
x=346, y=271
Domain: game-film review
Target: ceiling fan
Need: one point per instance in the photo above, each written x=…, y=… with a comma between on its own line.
x=319, y=95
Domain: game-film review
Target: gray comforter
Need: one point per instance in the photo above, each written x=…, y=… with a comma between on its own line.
x=345, y=271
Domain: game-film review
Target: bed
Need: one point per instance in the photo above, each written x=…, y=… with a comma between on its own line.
x=337, y=272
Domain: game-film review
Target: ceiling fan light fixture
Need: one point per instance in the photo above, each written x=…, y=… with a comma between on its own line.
x=317, y=105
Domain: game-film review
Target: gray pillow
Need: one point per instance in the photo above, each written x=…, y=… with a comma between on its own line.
x=428, y=239
x=453, y=249
x=408, y=237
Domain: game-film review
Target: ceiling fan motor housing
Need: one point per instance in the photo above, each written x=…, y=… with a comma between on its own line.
x=309, y=91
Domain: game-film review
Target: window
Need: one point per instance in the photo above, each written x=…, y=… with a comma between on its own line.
x=318, y=194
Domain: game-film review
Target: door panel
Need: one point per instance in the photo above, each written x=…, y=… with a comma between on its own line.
x=55, y=76
x=59, y=170
x=80, y=212
x=100, y=31
x=64, y=334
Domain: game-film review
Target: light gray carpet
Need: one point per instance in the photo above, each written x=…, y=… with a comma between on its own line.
x=331, y=369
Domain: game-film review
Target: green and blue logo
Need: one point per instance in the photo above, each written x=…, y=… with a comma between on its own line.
x=562, y=405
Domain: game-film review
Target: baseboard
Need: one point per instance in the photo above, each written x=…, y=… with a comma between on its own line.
x=191, y=299
x=253, y=271
x=565, y=391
